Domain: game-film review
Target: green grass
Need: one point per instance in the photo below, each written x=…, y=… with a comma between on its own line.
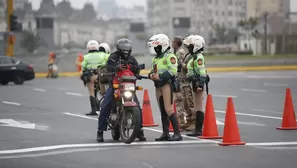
x=248, y=57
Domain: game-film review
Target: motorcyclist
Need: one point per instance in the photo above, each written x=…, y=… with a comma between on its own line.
x=163, y=73
x=91, y=61
x=124, y=49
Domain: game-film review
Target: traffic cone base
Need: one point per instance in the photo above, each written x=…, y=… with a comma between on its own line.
x=210, y=128
x=147, y=115
x=286, y=128
x=231, y=143
x=210, y=137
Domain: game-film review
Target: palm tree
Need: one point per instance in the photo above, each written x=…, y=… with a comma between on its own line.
x=248, y=26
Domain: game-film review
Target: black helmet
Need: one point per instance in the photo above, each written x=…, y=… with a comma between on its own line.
x=124, y=46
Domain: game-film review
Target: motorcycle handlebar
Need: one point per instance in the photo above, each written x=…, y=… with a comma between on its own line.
x=139, y=77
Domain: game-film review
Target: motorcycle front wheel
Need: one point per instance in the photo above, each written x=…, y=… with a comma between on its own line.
x=130, y=124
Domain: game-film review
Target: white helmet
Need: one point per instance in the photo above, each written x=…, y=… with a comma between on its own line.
x=150, y=47
x=196, y=41
x=106, y=47
x=202, y=39
x=93, y=45
x=161, y=40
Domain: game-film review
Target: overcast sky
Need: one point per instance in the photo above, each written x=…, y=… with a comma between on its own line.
x=127, y=3
x=79, y=3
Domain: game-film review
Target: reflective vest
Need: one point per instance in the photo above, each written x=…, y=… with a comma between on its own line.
x=166, y=63
x=93, y=60
x=197, y=66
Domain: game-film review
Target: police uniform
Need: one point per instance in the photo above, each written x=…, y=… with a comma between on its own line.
x=197, y=75
x=89, y=65
x=165, y=66
x=184, y=99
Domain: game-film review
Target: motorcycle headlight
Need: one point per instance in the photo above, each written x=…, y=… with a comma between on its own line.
x=129, y=87
x=128, y=94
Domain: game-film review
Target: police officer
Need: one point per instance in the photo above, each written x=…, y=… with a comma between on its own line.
x=89, y=67
x=184, y=99
x=103, y=48
x=164, y=70
x=124, y=49
x=197, y=76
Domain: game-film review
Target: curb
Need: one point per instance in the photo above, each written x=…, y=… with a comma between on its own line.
x=210, y=69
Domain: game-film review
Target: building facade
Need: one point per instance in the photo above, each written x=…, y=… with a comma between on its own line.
x=256, y=8
x=181, y=17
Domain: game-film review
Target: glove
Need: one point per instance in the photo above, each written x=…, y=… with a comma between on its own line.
x=121, y=67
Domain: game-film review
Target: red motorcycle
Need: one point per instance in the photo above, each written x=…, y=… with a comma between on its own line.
x=125, y=114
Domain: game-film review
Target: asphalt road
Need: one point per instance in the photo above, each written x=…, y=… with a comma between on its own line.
x=63, y=137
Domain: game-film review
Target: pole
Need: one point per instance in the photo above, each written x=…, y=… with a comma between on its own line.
x=265, y=32
x=10, y=46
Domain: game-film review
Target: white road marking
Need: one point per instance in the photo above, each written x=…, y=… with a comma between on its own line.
x=252, y=115
x=74, y=94
x=268, y=111
x=272, y=143
x=253, y=90
x=224, y=96
x=11, y=103
x=21, y=124
x=39, y=90
x=151, y=129
x=280, y=148
x=275, y=84
x=147, y=165
x=67, y=146
x=51, y=153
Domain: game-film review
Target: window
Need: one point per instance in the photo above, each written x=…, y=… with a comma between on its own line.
x=230, y=2
x=6, y=60
x=230, y=13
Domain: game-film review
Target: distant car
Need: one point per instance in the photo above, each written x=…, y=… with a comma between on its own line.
x=13, y=70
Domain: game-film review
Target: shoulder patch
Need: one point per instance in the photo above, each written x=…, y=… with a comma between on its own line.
x=200, y=62
x=164, y=62
x=173, y=60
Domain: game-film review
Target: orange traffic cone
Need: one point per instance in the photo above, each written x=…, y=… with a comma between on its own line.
x=289, y=118
x=231, y=132
x=210, y=129
x=147, y=115
x=170, y=126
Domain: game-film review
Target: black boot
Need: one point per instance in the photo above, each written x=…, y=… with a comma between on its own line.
x=94, y=107
x=198, y=125
x=176, y=136
x=141, y=136
x=100, y=136
x=165, y=122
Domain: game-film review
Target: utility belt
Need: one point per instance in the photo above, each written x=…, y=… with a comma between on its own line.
x=87, y=74
x=198, y=82
x=174, y=84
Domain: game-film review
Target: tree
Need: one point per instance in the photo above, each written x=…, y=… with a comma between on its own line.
x=249, y=26
x=220, y=32
x=31, y=40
